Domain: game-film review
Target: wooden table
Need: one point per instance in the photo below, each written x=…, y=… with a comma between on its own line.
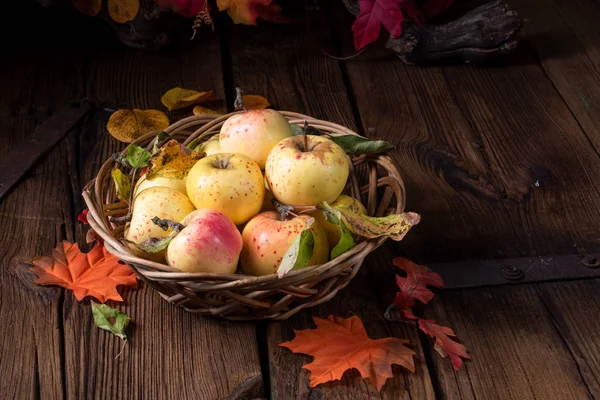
x=501, y=161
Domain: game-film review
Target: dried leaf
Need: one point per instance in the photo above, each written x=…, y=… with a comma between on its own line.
x=444, y=345
x=102, y=315
x=137, y=157
x=255, y=102
x=172, y=161
x=356, y=145
x=339, y=344
x=300, y=252
x=158, y=140
x=414, y=286
x=127, y=125
x=96, y=273
x=88, y=7
x=199, y=110
x=395, y=226
x=122, y=11
x=346, y=242
x=242, y=11
x=177, y=98
x=122, y=184
x=92, y=236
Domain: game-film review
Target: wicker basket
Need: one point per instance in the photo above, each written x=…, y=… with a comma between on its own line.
x=242, y=297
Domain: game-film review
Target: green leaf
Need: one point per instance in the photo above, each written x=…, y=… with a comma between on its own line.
x=161, y=137
x=122, y=184
x=172, y=161
x=395, y=226
x=300, y=252
x=102, y=315
x=355, y=145
x=346, y=242
x=296, y=130
x=137, y=156
x=193, y=144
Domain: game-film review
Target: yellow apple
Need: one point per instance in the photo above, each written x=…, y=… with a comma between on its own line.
x=210, y=242
x=306, y=173
x=334, y=232
x=158, y=201
x=254, y=134
x=266, y=239
x=211, y=146
x=230, y=183
x=143, y=183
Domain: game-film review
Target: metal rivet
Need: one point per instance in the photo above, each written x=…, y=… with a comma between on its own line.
x=512, y=273
x=590, y=261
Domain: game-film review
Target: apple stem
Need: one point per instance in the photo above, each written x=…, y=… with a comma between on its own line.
x=165, y=224
x=305, y=134
x=239, y=100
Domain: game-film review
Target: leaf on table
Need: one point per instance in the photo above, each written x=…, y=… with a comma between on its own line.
x=242, y=11
x=395, y=226
x=356, y=145
x=414, y=285
x=103, y=315
x=340, y=344
x=187, y=8
x=172, y=161
x=88, y=7
x=346, y=242
x=177, y=98
x=96, y=273
x=122, y=184
x=374, y=13
x=128, y=125
x=255, y=102
x=300, y=252
x=199, y=110
x=444, y=344
x=137, y=157
x=83, y=216
x=122, y=11
x=158, y=140
x=432, y=8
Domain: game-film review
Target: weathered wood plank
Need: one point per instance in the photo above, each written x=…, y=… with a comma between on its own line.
x=574, y=306
x=37, y=77
x=171, y=353
x=279, y=63
x=516, y=349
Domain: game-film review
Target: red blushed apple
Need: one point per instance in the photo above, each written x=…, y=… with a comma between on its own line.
x=210, y=242
x=267, y=237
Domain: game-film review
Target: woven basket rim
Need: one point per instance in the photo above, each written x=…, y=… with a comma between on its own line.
x=154, y=270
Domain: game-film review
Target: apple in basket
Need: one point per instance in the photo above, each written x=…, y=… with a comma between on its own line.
x=209, y=242
x=305, y=170
x=268, y=236
x=230, y=183
x=333, y=231
x=254, y=134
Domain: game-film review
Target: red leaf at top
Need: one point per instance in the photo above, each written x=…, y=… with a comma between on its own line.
x=83, y=216
x=432, y=8
x=413, y=287
x=373, y=14
x=443, y=343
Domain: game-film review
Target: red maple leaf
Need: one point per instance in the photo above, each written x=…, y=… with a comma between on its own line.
x=413, y=287
x=444, y=345
x=83, y=216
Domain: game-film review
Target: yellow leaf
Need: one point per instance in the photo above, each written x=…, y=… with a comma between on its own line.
x=88, y=7
x=173, y=161
x=128, y=125
x=122, y=184
x=180, y=98
x=198, y=110
x=242, y=11
x=255, y=102
x=122, y=11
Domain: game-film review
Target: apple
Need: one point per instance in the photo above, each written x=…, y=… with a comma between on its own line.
x=230, y=183
x=304, y=171
x=268, y=201
x=333, y=231
x=267, y=237
x=211, y=146
x=254, y=134
x=144, y=183
x=210, y=242
x=158, y=201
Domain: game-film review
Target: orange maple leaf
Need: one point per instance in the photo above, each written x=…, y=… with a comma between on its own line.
x=96, y=273
x=339, y=344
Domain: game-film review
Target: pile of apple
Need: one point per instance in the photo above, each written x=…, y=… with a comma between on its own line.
x=225, y=203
